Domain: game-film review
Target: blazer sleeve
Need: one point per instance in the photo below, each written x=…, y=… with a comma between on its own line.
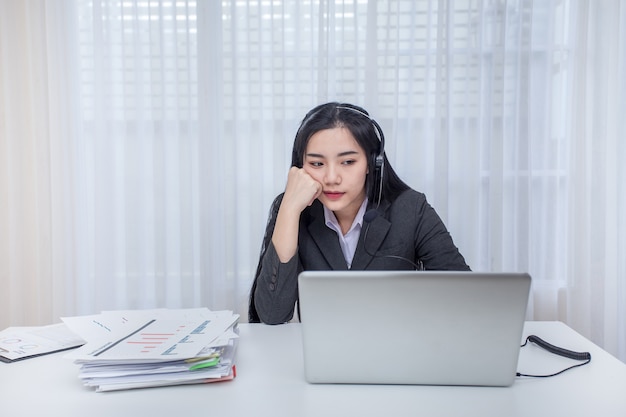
x=275, y=287
x=434, y=246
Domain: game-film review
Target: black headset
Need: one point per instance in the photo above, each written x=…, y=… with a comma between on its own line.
x=379, y=158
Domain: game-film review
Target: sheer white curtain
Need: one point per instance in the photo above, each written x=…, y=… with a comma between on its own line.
x=142, y=142
x=594, y=300
x=38, y=128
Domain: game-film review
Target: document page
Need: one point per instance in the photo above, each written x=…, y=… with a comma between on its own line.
x=18, y=343
x=150, y=337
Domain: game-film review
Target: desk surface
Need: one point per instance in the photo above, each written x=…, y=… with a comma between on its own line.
x=270, y=382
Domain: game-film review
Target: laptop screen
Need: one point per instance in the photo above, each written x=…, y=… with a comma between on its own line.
x=412, y=327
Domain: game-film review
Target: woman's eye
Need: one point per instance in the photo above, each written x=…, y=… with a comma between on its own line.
x=349, y=162
x=315, y=164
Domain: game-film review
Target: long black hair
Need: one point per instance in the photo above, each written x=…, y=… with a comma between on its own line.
x=368, y=135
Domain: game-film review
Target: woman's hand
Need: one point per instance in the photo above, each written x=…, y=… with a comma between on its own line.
x=301, y=190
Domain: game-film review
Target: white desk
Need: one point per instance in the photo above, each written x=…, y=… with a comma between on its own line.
x=270, y=382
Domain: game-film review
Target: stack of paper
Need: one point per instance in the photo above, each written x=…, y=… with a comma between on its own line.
x=152, y=348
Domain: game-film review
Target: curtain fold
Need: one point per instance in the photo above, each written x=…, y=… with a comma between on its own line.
x=142, y=143
x=37, y=137
x=595, y=296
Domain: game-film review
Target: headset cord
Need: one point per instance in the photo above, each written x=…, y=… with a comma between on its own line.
x=579, y=356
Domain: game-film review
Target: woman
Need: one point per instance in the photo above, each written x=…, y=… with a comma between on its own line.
x=340, y=184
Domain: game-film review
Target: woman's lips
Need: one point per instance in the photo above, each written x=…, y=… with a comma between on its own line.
x=333, y=195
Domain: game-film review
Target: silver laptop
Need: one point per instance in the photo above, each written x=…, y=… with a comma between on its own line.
x=412, y=327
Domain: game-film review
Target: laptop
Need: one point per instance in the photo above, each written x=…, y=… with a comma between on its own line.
x=412, y=327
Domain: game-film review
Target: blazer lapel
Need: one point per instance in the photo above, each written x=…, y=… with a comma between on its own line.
x=370, y=240
x=326, y=240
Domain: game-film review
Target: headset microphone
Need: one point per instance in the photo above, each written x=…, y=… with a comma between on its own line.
x=368, y=217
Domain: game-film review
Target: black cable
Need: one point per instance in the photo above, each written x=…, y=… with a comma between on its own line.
x=579, y=356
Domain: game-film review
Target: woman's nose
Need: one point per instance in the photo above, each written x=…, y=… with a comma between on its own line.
x=332, y=176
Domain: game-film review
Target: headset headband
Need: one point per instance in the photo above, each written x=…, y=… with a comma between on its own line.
x=379, y=159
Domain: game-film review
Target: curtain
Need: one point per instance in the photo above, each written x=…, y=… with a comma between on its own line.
x=142, y=142
x=38, y=137
x=594, y=300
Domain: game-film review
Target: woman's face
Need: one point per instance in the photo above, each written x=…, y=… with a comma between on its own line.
x=335, y=159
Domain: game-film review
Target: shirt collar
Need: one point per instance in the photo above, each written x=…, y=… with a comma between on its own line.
x=331, y=219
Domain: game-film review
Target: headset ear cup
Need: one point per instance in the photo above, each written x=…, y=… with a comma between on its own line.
x=378, y=161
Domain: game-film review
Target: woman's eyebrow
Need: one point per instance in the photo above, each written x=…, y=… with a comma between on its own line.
x=340, y=154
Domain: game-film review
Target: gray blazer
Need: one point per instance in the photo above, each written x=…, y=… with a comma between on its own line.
x=405, y=232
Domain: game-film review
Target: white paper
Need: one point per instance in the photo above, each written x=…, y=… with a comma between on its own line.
x=179, y=335
x=22, y=342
